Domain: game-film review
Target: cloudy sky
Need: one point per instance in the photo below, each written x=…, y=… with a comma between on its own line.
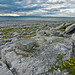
x=57, y=8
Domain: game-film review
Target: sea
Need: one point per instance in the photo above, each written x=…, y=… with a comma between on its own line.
x=15, y=18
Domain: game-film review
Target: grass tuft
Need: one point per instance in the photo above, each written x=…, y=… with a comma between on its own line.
x=23, y=54
x=28, y=36
x=65, y=26
x=56, y=41
x=61, y=35
x=4, y=37
x=11, y=50
x=36, y=44
x=47, y=34
x=31, y=51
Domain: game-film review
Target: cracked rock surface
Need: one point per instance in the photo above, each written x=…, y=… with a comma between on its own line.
x=34, y=55
x=4, y=69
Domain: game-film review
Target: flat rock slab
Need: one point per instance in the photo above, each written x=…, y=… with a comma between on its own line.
x=25, y=44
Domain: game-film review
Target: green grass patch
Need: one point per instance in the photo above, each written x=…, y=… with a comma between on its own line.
x=7, y=30
x=56, y=41
x=4, y=37
x=7, y=33
x=11, y=50
x=47, y=34
x=23, y=54
x=10, y=30
x=65, y=26
x=37, y=26
x=30, y=28
x=36, y=44
x=28, y=36
x=31, y=51
x=61, y=35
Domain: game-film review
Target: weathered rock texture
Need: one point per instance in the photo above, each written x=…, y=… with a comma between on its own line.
x=70, y=28
x=4, y=70
x=38, y=64
x=25, y=44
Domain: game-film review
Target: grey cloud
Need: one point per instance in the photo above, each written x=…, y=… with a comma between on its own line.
x=29, y=6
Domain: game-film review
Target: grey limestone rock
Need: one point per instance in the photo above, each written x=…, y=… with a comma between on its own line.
x=25, y=44
x=60, y=26
x=39, y=64
x=25, y=33
x=58, y=33
x=73, y=37
x=16, y=34
x=4, y=70
x=2, y=42
x=70, y=28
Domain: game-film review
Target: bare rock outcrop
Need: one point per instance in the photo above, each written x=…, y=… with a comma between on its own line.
x=70, y=28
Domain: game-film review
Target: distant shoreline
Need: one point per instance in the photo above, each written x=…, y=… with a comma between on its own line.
x=35, y=21
x=30, y=22
x=38, y=16
x=24, y=18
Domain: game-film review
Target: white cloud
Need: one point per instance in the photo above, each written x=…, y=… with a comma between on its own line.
x=9, y=15
x=57, y=0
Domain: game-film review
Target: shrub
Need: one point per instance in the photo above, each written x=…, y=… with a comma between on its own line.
x=68, y=64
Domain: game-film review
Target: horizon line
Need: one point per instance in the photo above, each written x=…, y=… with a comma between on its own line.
x=41, y=16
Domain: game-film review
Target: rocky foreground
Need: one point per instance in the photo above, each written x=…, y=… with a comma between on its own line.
x=29, y=48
